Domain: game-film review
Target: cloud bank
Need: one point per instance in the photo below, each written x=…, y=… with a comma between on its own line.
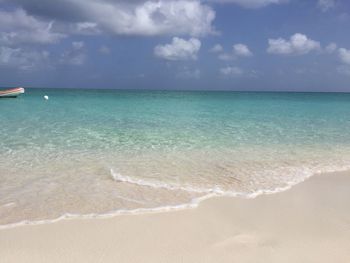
x=145, y=18
x=21, y=58
x=17, y=27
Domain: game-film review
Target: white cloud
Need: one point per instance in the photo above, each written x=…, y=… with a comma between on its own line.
x=75, y=55
x=298, y=44
x=241, y=50
x=231, y=71
x=179, y=49
x=325, y=5
x=22, y=59
x=251, y=3
x=217, y=48
x=331, y=48
x=17, y=27
x=344, y=55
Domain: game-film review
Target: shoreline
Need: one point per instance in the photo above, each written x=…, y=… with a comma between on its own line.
x=193, y=204
x=308, y=223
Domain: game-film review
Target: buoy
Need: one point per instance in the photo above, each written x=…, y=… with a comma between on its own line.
x=46, y=97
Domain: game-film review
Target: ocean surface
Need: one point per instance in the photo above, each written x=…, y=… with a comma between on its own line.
x=96, y=153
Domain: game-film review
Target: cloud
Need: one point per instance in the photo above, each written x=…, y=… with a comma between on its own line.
x=251, y=3
x=344, y=70
x=104, y=50
x=226, y=56
x=325, y=5
x=75, y=55
x=85, y=28
x=146, y=18
x=298, y=44
x=17, y=27
x=187, y=73
x=331, y=48
x=241, y=50
x=238, y=50
x=19, y=58
x=216, y=48
x=344, y=55
x=179, y=49
x=231, y=71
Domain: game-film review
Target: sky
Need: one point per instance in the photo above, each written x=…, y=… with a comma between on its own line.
x=261, y=45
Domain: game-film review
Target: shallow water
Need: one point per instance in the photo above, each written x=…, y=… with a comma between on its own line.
x=103, y=151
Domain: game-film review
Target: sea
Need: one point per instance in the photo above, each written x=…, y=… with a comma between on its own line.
x=99, y=153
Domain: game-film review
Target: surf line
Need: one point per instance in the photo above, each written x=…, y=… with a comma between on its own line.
x=127, y=179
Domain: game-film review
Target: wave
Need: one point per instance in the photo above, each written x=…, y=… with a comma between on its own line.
x=141, y=182
x=192, y=204
x=217, y=191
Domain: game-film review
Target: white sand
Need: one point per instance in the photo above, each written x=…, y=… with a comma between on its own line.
x=309, y=223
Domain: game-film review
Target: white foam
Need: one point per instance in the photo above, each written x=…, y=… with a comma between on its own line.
x=141, y=182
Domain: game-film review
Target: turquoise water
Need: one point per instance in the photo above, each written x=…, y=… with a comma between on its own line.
x=96, y=152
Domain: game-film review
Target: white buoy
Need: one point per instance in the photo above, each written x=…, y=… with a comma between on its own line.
x=46, y=97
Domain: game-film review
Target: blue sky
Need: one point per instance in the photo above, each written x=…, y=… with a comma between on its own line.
x=294, y=45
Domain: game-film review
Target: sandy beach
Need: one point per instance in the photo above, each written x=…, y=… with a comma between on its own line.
x=174, y=131
x=308, y=223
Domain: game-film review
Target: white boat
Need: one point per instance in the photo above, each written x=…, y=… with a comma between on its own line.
x=11, y=93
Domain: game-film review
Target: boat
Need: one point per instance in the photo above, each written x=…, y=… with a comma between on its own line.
x=11, y=93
